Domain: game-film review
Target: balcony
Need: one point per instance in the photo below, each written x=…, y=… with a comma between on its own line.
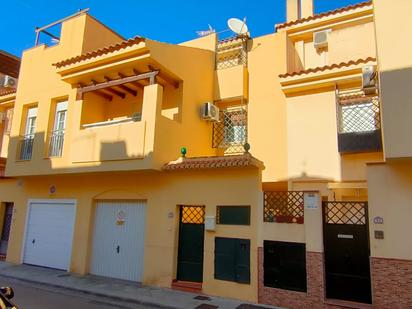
x=359, y=124
x=56, y=141
x=231, y=69
x=25, y=147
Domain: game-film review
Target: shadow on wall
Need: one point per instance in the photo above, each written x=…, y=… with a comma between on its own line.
x=35, y=156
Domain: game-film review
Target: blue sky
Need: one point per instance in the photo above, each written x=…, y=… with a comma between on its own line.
x=168, y=21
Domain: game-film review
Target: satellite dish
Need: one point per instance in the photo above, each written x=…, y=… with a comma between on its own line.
x=238, y=26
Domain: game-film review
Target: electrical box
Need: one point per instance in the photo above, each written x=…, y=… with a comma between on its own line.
x=210, y=223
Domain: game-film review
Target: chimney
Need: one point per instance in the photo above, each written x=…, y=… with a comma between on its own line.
x=296, y=9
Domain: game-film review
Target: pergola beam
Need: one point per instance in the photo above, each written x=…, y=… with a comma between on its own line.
x=165, y=77
x=123, y=87
x=117, y=82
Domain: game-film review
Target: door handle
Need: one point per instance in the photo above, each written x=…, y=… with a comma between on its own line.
x=118, y=249
x=33, y=241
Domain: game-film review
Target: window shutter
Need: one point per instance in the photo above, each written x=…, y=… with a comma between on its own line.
x=243, y=260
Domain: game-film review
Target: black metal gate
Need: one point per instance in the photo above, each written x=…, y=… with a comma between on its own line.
x=191, y=239
x=5, y=233
x=346, y=243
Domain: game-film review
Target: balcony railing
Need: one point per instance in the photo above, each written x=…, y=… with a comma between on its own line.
x=359, y=123
x=231, y=130
x=26, y=147
x=231, y=52
x=56, y=143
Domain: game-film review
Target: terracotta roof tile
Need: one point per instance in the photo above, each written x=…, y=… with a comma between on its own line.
x=329, y=67
x=101, y=51
x=244, y=160
x=7, y=91
x=317, y=16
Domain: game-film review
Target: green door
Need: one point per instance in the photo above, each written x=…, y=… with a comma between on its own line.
x=191, y=237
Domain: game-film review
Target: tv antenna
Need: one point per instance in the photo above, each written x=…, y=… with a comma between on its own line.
x=206, y=32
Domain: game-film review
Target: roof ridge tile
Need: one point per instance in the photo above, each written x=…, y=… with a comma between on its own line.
x=324, y=14
x=328, y=67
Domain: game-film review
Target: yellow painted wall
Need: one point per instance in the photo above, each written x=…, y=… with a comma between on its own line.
x=164, y=192
x=267, y=106
x=345, y=43
x=313, y=145
x=395, y=75
x=390, y=197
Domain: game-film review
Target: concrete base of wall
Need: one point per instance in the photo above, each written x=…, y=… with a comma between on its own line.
x=391, y=283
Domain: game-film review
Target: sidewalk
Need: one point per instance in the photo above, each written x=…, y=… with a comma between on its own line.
x=118, y=289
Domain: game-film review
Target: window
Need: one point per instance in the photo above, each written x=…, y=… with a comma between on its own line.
x=57, y=135
x=285, y=265
x=232, y=259
x=234, y=127
x=230, y=132
x=358, y=118
x=26, y=144
x=235, y=215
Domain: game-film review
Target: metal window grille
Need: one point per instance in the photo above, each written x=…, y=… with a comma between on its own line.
x=231, y=52
x=283, y=207
x=345, y=212
x=192, y=214
x=26, y=147
x=56, y=143
x=358, y=113
x=231, y=130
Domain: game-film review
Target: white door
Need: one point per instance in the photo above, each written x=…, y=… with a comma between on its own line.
x=118, y=240
x=49, y=233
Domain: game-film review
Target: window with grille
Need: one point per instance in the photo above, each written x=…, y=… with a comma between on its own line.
x=231, y=130
x=284, y=265
x=359, y=118
x=359, y=124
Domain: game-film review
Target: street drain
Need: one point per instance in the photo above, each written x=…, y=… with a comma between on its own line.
x=63, y=275
x=200, y=297
x=206, y=306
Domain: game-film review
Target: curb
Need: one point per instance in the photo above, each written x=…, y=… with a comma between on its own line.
x=97, y=294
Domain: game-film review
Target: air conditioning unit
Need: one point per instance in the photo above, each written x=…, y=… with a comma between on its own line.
x=369, y=79
x=210, y=112
x=8, y=81
x=320, y=39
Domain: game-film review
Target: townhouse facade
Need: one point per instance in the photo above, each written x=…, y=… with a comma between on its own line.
x=273, y=169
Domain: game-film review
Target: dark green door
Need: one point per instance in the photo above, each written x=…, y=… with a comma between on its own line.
x=191, y=237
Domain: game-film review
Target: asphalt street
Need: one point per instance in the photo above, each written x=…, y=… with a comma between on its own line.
x=30, y=296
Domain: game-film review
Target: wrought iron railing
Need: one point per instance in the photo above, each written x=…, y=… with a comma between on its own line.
x=231, y=52
x=283, y=206
x=56, y=143
x=231, y=130
x=359, y=122
x=26, y=147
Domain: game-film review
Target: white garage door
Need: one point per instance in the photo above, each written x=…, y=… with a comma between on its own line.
x=49, y=233
x=118, y=240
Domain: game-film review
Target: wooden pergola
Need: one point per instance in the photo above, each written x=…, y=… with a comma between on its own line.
x=110, y=87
